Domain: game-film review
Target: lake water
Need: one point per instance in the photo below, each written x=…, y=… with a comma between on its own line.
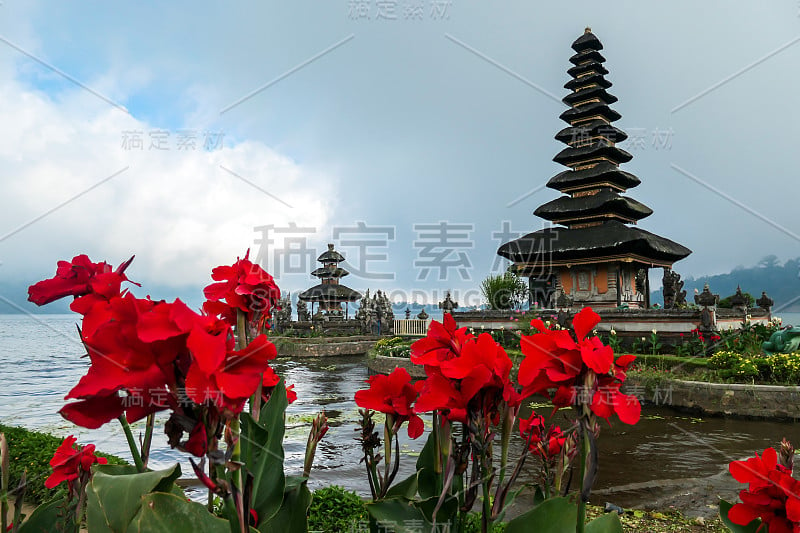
x=666, y=458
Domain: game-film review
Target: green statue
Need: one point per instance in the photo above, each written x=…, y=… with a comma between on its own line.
x=783, y=341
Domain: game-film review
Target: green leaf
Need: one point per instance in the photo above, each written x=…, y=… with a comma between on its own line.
x=405, y=489
x=555, y=515
x=114, y=496
x=44, y=518
x=399, y=516
x=167, y=513
x=292, y=516
x=262, y=449
x=724, y=507
x=447, y=512
x=428, y=480
x=608, y=523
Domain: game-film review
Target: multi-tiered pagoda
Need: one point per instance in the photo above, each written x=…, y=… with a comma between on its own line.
x=594, y=254
x=330, y=294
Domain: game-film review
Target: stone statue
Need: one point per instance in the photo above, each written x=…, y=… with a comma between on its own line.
x=783, y=341
x=302, y=311
x=563, y=301
x=705, y=298
x=674, y=295
x=738, y=301
x=448, y=304
x=765, y=302
x=641, y=281
x=283, y=315
x=386, y=313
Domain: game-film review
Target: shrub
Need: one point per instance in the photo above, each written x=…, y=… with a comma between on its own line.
x=31, y=451
x=388, y=341
x=723, y=360
x=335, y=509
x=399, y=351
x=505, y=291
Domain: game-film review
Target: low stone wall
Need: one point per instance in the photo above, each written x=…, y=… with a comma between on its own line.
x=672, y=325
x=721, y=399
x=384, y=365
x=323, y=346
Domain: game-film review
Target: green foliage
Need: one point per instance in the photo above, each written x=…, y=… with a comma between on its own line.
x=777, y=368
x=654, y=343
x=504, y=291
x=748, y=339
x=724, y=359
x=31, y=451
x=56, y=515
x=392, y=347
x=335, y=509
x=554, y=515
x=559, y=514
x=473, y=525
x=386, y=342
x=114, y=497
x=662, y=362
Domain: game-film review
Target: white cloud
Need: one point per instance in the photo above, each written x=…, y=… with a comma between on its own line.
x=177, y=210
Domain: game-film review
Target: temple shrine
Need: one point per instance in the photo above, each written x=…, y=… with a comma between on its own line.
x=594, y=254
x=330, y=294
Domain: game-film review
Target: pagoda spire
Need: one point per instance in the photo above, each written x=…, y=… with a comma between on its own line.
x=594, y=182
x=595, y=223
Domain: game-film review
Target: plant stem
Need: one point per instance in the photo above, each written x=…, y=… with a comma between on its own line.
x=137, y=459
x=212, y=474
x=579, y=526
x=509, y=416
x=387, y=454
x=148, y=438
x=236, y=479
x=4, y=465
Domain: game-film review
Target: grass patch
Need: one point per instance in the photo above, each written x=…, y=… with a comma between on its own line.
x=31, y=451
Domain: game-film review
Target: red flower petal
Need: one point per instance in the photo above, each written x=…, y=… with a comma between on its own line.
x=628, y=408
x=584, y=322
x=742, y=514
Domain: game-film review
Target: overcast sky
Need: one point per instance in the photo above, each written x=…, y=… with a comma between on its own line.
x=174, y=131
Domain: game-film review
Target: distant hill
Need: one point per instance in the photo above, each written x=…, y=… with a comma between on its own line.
x=780, y=281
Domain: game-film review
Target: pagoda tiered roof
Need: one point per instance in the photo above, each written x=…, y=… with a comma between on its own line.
x=595, y=214
x=330, y=291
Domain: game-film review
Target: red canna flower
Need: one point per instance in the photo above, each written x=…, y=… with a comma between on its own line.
x=197, y=444
x=134, y=346
x=70, y=461
x=476, y=378
x=544, y=442
x=269, y=381
x=243, y=286
x=443, y=342
x=394, y=395
x=773, y=495
x=78, y=278
x=235, y=379
x=580, y=369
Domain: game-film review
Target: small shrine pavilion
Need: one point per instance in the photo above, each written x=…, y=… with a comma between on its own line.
x=594, y=254
x=330, y=294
